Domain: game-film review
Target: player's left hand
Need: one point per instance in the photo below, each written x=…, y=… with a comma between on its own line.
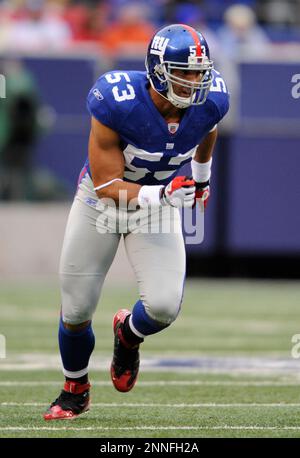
x=202, y=192
x=180, y=192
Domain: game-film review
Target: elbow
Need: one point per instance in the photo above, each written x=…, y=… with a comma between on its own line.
x=101, y=191
x=108, y=190
x=104, y=193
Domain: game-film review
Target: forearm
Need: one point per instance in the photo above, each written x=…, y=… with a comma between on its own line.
x=119, y=191
x=202, y=161
x=206, y=148
x=179, y=192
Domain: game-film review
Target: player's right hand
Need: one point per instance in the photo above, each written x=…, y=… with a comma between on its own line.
x=180, y=192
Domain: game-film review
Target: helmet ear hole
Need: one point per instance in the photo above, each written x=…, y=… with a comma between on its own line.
x=158, y=69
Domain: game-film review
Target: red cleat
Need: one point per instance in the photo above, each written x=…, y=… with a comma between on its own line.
x=72, y=401
x=125, y=364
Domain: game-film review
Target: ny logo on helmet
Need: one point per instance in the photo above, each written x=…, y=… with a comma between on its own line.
x=158, y=45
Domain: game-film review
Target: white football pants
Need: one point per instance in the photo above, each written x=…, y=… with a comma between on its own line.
x=154, y=245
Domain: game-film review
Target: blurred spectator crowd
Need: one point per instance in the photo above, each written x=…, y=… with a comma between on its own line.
x=114, y=25
x=110, y=29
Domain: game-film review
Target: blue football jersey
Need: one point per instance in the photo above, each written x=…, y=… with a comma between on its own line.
x=153, y=151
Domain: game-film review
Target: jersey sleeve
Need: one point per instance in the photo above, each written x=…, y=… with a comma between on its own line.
x=222, y=104
x=99, y=103
x=220, y=97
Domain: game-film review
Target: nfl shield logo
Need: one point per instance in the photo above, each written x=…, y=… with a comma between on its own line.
x=173, y=126
x=98, y=94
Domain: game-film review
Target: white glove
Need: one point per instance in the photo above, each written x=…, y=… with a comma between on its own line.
x=180, y=192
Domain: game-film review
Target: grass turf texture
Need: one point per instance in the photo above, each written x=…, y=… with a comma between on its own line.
x=217, y=319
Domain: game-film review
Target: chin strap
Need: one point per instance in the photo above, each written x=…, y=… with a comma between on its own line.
x=179, y=102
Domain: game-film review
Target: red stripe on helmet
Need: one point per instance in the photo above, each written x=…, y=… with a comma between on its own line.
x=195, y=38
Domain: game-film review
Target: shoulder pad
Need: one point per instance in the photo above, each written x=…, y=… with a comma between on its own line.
x=112, y=97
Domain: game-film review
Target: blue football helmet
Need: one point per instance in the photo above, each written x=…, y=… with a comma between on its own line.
x=179, y=47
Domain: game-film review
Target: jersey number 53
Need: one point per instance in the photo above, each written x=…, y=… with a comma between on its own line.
x=119, y=94
x=218, y=84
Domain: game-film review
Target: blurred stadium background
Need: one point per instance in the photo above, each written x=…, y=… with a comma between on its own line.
x=241, y=307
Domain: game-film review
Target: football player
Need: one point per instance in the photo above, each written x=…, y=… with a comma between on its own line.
x=144, y=127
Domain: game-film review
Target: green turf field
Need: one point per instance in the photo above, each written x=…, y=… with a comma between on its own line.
x=222, y=326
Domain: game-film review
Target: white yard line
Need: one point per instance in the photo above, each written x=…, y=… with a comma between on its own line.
x=150, y=404
x=155, y=383
x=152, y=428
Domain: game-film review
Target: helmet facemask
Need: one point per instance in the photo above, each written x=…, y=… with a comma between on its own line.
x=198, y=89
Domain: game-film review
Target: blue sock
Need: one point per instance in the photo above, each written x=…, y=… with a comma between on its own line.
x=75, y=349
x=143, y=323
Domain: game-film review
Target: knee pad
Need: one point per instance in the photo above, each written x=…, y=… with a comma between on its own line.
x=152, y=317
x=164, y=306
x=79, y=297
